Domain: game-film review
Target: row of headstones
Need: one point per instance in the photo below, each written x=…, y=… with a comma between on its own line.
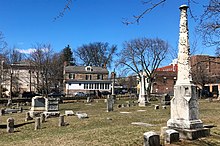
x=168, y=136
x=156, y=107
x=4, y=111
x=38, y=122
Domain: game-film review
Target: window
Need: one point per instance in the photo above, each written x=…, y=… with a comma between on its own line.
x=102, y=86
x=96, y=86
x=90, y=86
x=99, y=76
x=106, y=86
x=88, y=68
x=79, y=84
x=88, y=77
x=85, y=86
x=71, y=76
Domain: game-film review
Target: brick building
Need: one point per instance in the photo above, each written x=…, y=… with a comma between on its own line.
x=165, y=79
x=205, y=72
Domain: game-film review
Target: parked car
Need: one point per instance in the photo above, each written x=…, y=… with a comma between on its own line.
x=54, y=94
x=80, y=94
x=29, y=94
x=206, y=94
x=105, y=93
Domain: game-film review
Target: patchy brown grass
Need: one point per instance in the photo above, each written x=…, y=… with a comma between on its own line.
x=99, y=130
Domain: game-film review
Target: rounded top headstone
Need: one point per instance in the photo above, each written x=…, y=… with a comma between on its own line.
x=183, y=7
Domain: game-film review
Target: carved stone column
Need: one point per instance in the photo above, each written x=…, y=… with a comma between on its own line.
x=184, y=104
x=143, y=99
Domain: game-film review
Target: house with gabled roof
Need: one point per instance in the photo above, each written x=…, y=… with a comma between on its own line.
x=86, y=79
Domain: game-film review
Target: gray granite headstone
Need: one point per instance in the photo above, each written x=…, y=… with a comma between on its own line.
x=42, y=118
x=61, y=121
x=110, y=103
x=37, y=123
x=2, y=111
x=28, y=117
x=171, y=136
x=10, y=125
x=151, y=139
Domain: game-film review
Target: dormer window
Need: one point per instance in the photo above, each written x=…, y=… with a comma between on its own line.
x=88, y=68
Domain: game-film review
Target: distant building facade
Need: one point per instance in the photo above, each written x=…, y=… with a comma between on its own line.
x=165, y=79
x=205, y=72
x=86, y=79
x=19, y=77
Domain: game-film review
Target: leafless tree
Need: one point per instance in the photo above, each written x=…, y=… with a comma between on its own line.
x=96, y=54
x=56, y=71
x=3, y=44
x=13, y=56
x=41, y=59
x=143, y=54
x=209, y=26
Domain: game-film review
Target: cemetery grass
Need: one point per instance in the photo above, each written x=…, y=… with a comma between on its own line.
x=104, y=128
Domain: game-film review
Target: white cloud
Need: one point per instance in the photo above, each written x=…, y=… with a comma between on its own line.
x=28, y=51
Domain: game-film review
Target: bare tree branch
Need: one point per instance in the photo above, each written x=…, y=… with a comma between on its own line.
x=67, y=7
x=209, y=26
x=147, y=10
x=143, y=55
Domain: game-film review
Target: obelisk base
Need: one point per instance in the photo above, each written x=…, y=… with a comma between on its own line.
x=184, y=124
x=192, y=134
x=143, y=101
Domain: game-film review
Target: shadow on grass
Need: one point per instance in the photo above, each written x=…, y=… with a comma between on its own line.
x=16, y=126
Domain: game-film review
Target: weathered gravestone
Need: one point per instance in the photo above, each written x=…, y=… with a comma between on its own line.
x=9, y=102
x=184, y=105
x=151, y=139
x=28, y=117
x=52, y=107
x=166, y=99
x=110, y=103
x=81, y=115
x=61, y=121
x=10, y=125
x=2, y=111
x=37, y=123
x=69, y=113
x=37, y=106
x=42, y=118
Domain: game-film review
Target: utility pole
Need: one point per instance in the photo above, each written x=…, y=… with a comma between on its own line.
x=1, y=78
x=30, y=79
x=11, y=73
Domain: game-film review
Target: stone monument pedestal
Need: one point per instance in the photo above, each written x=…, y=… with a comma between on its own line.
x=184, y=113
x=142, y=101
x=192, y=134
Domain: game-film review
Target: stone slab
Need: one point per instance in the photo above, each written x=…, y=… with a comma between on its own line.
x=49, y=114
x=192, y=134
x=125, y=112
x=69, y=113
x=142, y=124
x=82, y=115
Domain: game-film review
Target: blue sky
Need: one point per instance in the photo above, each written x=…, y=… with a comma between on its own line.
x=27, y=22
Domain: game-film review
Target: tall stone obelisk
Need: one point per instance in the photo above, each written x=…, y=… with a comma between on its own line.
x=184, y=104
x=143, y=99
